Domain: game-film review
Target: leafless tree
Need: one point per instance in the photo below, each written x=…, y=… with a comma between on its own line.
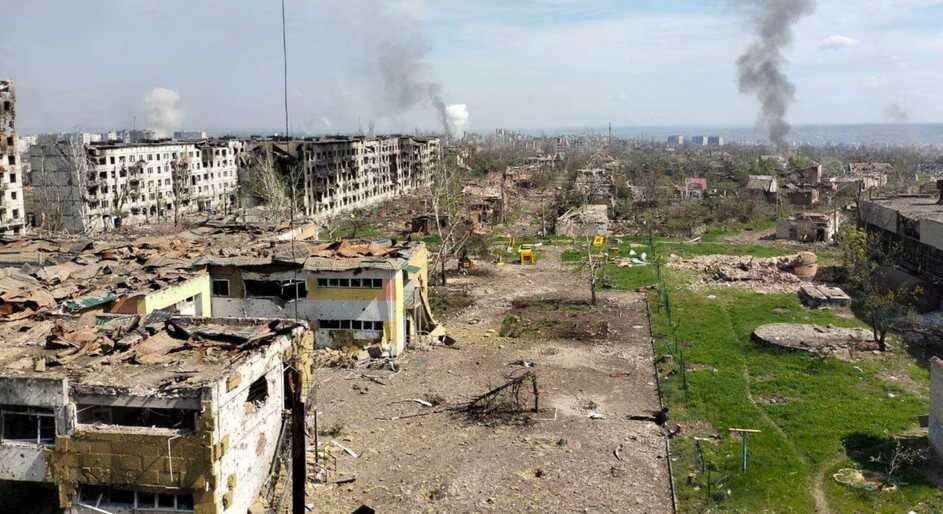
x=180, y=183
x=448, y=214
x=267, y=187
x=60, y=181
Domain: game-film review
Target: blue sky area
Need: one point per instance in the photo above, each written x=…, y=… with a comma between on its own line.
x=528, y=64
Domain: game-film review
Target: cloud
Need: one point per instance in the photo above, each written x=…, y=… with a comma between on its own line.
x=619, y=96
x=875, y=80
x=837, y=42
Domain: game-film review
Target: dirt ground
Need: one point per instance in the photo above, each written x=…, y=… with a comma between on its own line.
x=414, y=458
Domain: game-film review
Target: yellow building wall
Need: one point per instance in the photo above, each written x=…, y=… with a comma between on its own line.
x=138, y=461
x=420, y=259
x=200, y=285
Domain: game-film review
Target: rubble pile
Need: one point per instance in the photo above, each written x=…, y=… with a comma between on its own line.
x=773, y=275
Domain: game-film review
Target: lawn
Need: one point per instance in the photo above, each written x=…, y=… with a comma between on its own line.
x=821, y=406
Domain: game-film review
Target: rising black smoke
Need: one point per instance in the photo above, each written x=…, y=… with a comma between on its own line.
x=393, y=56
x=761, y=67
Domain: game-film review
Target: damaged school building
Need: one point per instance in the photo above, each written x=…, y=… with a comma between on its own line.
x=161, y=374
x=12, y=212
x=353, y=293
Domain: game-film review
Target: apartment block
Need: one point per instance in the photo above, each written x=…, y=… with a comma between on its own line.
x=12, y=213
x=88, y=187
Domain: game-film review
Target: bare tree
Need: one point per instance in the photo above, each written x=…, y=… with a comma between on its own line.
x=180, y=183
x=267, y=187
x=446, y=203
x=595, y=268
x=60, y=185
x=896, y=459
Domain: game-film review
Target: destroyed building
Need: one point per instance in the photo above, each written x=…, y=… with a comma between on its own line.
x=763, y=186
x=586, y=220
x=336, y=175
x=912, y=226
x=809, y=227
x=147, y=414
x=12, y=213
x=595, y=186
x=353, y=293
x=92, y=187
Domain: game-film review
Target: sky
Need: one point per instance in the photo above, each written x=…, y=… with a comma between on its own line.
x=519, y=64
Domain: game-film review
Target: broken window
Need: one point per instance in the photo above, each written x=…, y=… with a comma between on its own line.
x=27, y=424
x=181, y=419
x=258, y=392
x=285, y=289
x=220, y=287
x=103, y=496
x=349, y=324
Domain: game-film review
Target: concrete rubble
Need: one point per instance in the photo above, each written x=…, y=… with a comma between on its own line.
x=822, y=340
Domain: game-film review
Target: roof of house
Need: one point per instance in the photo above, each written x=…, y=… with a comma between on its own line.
x=760, y=182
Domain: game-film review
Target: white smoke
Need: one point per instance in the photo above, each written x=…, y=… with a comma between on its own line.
x=457, y=115
x=163, y=114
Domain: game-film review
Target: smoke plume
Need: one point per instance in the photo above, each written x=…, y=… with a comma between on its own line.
x=457, y=119
x=761, y=67
x=896, y=113
x=163, y=115
x=385, y=39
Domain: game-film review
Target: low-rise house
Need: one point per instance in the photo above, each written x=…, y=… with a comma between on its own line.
x=800, y=196
x=809, y=227
x=764, y=186
x=353, y=293
x=694, y=188
x=147, y=414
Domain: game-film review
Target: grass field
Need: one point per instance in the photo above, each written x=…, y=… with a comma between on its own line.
x=821, y=408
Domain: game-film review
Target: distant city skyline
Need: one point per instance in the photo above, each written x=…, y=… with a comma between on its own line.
x=526, y=65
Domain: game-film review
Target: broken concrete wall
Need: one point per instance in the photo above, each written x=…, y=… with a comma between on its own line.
x=27, y=461
x=879, y=216
x=248, y=425
x=936, y=406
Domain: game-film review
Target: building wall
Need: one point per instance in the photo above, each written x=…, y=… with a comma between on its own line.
x=133, y=183
x=12, y=213
x=328, y=303
x=936, y=406
x=342, y=175
x=23, y=461
x=248, y=433
x=197, y=287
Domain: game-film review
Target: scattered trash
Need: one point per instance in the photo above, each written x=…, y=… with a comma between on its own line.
x=595, y=415
x=521, y=362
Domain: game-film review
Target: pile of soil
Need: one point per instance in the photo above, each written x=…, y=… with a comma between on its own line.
x=557, y=318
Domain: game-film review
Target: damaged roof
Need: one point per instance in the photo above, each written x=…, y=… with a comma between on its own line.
x=158, y=354
x=327, y=256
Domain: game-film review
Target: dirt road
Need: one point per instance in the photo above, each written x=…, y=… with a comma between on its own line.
x=588, y=360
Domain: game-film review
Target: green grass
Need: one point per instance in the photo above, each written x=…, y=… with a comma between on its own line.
x=830, y=401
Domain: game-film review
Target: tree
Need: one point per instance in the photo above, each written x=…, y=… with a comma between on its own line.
x=896, y=459
x=595, y=268
x=180, y=183
x=60, y=181
x=267, y=187
x=446, y=200
x=883, y=307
